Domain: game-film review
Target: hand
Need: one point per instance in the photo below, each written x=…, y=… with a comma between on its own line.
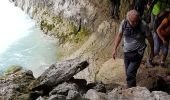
x=114, y=54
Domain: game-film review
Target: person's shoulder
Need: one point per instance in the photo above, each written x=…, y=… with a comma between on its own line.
x=122, y=26
x=165, y=21
x=123, y=20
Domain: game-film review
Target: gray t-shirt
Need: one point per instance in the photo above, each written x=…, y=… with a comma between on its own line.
x=134, y=38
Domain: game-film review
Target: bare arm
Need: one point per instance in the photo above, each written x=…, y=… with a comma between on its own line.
x=116, y=44
x=160, y=30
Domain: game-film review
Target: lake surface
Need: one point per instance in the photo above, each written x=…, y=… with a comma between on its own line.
x=22, y=42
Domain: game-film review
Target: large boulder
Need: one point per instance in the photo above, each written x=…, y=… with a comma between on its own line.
x=94, y=95
x=15, y=82
x=112, y=71
x=137, y=93
x=59, y=72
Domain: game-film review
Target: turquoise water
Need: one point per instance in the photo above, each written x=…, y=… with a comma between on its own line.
x=22, y=42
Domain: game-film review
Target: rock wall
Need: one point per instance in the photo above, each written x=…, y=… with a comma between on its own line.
x=82, y=27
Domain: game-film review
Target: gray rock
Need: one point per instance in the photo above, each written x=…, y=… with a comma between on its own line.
x=82, y=83
x=40, y=98
x=135, y=93
x=94, y=95
x=14, y=84
x=98, y=86
x=60, y=72
x=159, y=95
x=167, y=97
x=73, y=95
x=64, y=88
x=116, y=94
x=29, y=73
x=57, y=97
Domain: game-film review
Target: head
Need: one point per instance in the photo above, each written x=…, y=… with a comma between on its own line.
x=133, y=17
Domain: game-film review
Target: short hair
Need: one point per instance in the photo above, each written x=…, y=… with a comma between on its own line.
x=131, y=13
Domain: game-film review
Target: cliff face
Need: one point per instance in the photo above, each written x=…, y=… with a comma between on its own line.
x=82, y=27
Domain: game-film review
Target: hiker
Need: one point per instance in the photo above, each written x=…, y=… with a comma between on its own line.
x=134, y=31
x=159, y=6
x=157, y=42
x=115, y=9
x=164, y=33
x=148, y=10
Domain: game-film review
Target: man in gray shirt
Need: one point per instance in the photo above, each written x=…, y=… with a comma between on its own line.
x=134, y=31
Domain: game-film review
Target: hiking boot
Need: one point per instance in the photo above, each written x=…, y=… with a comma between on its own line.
x=150, y=63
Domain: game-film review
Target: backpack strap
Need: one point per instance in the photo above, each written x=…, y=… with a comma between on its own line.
x=124, y=25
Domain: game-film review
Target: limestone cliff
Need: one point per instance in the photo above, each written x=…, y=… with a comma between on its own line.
x=82, y=27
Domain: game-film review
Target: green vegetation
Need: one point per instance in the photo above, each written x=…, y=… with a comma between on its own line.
x=47, y=26
x=57, y=19
x=107, y=2
x=12, y=69
x=72, y=29
x=59, y=55
x=80, y=36
x=76, y=40
x=66, y=31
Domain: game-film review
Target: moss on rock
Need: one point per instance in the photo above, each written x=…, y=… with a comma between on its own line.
x=45, y=25
x=12, y=69
x=80, y=36
x=57, y=19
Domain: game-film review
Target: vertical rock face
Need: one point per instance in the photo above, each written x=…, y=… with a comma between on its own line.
x=52, y=12
x=83, y=28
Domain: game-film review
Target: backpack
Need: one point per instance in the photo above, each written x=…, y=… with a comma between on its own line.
x=126, y=26
x=158, y=7
x=132, y=34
